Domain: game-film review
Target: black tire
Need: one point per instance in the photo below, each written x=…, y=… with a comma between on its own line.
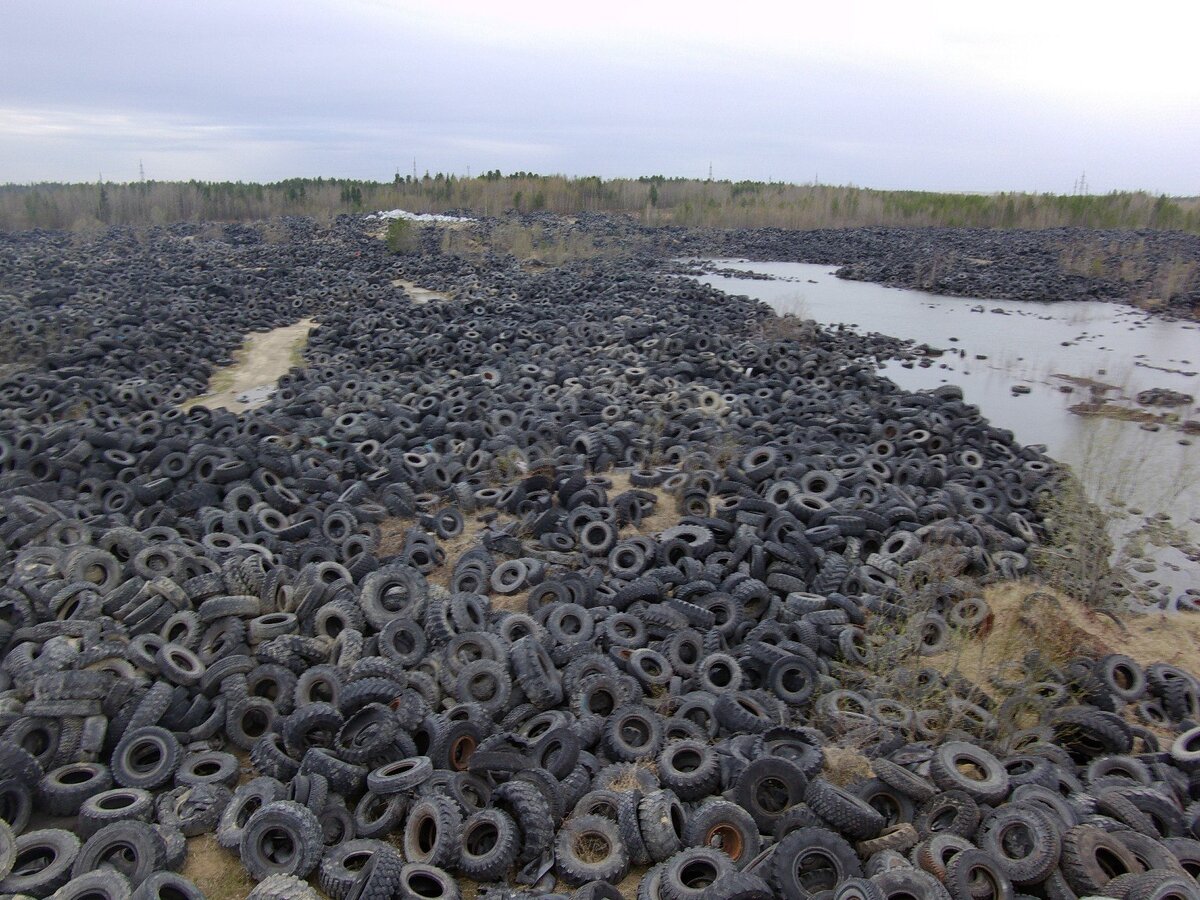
x=893, y=805
x=662, y=819
x=690, y=768
x=342, y=863
x=177, y=846
x=744, y=712
x=810, y=860
x=167, y=886
x=1154, y=885
x=799, y=816
x=690, y=873
x=114, y=805
x=486, y=682
x=16, y=803
x=1086, y=733
x=433, y=832
x=193, y=808
x=43, y=862
x=271, y=759
x=974, y=873
x=724, y=826
x=531, y=811
x=858, y=889
x=1012, y=829
x=490, y=842
x=900, y=838
x=248, y=799
x=343, y=777
x=901, y=779
x=377, y=815
x=380, y=878
x=1115, y=806
x=951, y=812
x=847, y=813
x=1030, y=769
x=632, y=733
x=146, y=758
x=739, y=886
x=1185, y=750
x=62, y=791
x=106, y=883
x=590, y=849
x=209, y=767
x=1149, y=852
x=768, y=788
x=946, y=769
x=535, y=673
x=364, y=691
x=885, y=861
x=281, y=838
x=934, y=853
x=1186, y=852
x=367, y=735
x=402, y=775
x=393, y=592
x=135, y=849
x=1091, y=858
x=1122, y=676
x=420, y=881
x=314, y=725
x=904, y=884
x=20, y=765
x=629, y=826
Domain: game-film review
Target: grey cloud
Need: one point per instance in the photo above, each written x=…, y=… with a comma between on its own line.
x=273, y=89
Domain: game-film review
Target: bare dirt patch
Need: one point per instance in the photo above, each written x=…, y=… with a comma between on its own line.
x=257, y=366
x=392, y=532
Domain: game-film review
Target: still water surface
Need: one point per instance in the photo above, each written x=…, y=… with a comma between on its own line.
x=993, y=345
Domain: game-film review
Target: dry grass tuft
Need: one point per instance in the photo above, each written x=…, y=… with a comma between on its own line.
x=1062, y=628
x=218, y=873
x=845, y=766
x=788, y=328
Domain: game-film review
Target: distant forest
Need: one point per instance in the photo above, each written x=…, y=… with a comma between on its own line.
x=653, y=200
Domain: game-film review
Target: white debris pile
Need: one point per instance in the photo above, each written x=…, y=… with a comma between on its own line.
x=417, y=217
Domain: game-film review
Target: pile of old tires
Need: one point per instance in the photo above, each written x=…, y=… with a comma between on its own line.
x=267, y=627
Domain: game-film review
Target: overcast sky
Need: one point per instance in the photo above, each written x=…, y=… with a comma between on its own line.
x=957, y=96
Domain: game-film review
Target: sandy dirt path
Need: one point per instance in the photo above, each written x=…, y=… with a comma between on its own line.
x=250, y=380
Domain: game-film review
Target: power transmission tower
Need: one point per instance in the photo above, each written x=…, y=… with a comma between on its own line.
x=141, y=172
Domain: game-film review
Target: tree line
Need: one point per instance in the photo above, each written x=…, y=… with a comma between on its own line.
x=655, y=200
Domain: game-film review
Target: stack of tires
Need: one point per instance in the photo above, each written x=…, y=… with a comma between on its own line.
x=569, y=580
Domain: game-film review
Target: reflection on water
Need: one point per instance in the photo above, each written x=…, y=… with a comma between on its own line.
x=993, y=345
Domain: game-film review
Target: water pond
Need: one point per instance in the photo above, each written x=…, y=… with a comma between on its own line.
x=1063, y=355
